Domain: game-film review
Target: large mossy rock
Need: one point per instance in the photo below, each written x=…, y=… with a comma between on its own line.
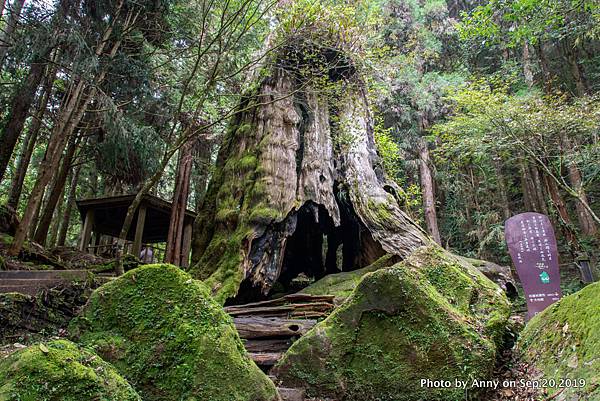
x=164, y=333
x=563, y=342
x=342, y=284
x=432, y=316
x=61, y=371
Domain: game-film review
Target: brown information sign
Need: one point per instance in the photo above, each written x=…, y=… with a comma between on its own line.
x=532, y=247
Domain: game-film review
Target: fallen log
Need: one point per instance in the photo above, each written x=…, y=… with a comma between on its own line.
x=260, y=327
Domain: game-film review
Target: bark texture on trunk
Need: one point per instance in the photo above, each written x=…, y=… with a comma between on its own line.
x=297, y=175
x=180, y=198
x=427, y=188
x=20, y=104
x=56, y=193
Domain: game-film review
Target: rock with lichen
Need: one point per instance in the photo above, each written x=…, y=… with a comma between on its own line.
x=164, y=333
x=61, y=371
x=562, y=343
x=432, y=316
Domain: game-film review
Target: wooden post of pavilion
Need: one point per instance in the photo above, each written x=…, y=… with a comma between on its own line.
x=139, y=230
x=86, y=233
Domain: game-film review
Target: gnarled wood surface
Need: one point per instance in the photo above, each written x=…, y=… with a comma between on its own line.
x=295, y=149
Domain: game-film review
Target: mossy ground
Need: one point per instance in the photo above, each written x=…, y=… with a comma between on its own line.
x=431, y=316
x=563, y=342
x=164, y=333
x=61, y=371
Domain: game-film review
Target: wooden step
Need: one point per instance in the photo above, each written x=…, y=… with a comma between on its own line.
x=269, y=345
x=265, y=358
x=44, y=274
x=34, y=282
x=267, y=327
x=291, y=394
x=21, y=289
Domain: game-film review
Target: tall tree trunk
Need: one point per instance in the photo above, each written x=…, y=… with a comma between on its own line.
x=180, y=196
x=20, y=104
x=563, y=213
x=55, y=222
x=56, y=192
x=503, y=192
x=11, y=24
x=202, y=168
x=76, y=101
x=427, y=189
x=527, y=68
x=281, y=177
x=586, y=222
x=570, y=56
x=29, y=145
x=66, y=217
x=545, y=67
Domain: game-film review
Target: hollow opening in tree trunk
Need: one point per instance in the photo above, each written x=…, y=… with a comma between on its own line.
x=311, y=248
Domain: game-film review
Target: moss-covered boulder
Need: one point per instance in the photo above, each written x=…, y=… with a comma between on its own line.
x=432, y=316
x=342, y=284
x=61, y=371
x=164, y=333
x=563, y=342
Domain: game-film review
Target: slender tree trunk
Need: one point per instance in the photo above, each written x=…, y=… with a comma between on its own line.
x=527, y=69
x=56, y=218
x=503, y=193
x=570, y=56
x=563, y=213
x=538, y=190
x=202, y=168
x=544, y=66
x=20, y=104
x=526, y=188
x=11, y=24
x=586, y=222
x=29, y=145
x=36, y=215
x=66, y=217
x=427, y=188
x=56, y=193
x=180, y=197
x=75, y=104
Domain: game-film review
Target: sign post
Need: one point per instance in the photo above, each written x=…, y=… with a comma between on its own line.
x=532, y=247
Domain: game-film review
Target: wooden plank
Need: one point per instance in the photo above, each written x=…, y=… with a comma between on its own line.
x=44, y=274
x=281, y=310
x=291, y=394
x=272, y=345
x=265, y=358
x=283, y=300
x=260, y=327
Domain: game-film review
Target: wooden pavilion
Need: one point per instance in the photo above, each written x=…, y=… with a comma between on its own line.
x=105, y=216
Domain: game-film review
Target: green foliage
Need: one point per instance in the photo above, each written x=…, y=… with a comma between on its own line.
x=61, y=371
x=161, y=329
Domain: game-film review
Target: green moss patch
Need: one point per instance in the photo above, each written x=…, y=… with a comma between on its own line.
x=430, y=317
x=163, y=332
x=342, y=284
x=61, y=371
x=563, y=342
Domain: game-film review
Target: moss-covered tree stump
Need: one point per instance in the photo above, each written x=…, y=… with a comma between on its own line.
x=432, y=316
x=164, y=333
x=61, y=371
x=563, y=344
